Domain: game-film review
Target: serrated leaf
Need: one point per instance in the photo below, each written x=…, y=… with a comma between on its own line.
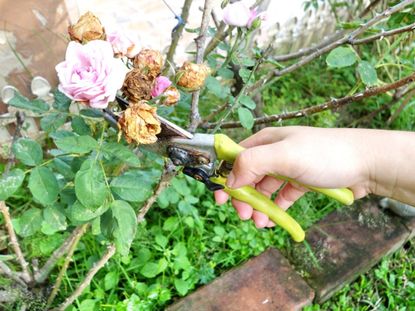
x=36, y=105
x=126, y=228
x=10, y=182
x=53, y=221
x=246, y=118
x=134, y=186
x=90, y=187
x=121, y=153
x=216, y=88
x=53, y=121
x=247, y=102
x=92, y=113
x=244, y=74
x=367, y=73
x=30, y=222
x=62, y=102
x=79, y=213
x=341, y=57
x=225, y=73
x=76, y=144
x=79, y=126
x=43, y=185
x=28, y=151
x=181, y=286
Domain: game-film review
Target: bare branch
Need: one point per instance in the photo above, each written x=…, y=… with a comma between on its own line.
x=26, y=275
x=219, y=37
x=91, y=273
x=168, y=173
x=43, y=273
x=200, y=50
x=17, y=133
x=65, y=266
x=347, y=38
x=5, y=270
x=175, y=37
x=369, y=7
x=329, y=105
x=384, y=34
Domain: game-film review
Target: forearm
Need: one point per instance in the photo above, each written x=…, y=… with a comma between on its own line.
x=392, y=165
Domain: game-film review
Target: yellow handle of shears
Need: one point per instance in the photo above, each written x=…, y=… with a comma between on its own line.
x=226, y=149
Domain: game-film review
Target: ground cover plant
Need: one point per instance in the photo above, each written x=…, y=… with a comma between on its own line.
x=94, y=221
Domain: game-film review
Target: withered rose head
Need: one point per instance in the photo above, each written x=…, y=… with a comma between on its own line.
x=170, y=96
x=192, y=76
x=87, y=28
x=139, y=123
x=149, y=62
x=137, y=86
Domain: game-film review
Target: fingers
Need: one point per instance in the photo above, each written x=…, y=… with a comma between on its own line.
x=267, y=136
x=288, y=195
x=244, y=210
x=221, y=197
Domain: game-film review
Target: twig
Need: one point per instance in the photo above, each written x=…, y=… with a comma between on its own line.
x=214, y=113
x=219, y=37
x=91, y=273
x=369, y=7
x=26, y=275
x=4, y=269
x=43, y=273
x=384, y=34
x=65, y=266
x=405, y=102
x=332, y=104
x=175, y=37
x=200, y=50
x=347, y=38
x=17, y=133
x=168, y=173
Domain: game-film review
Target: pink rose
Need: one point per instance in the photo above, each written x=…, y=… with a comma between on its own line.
x=161, y=84
x=90, y=73
x=123, y=44
x=238, y=14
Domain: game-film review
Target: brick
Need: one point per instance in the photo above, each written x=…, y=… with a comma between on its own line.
x=345, y=244
x=266, y=282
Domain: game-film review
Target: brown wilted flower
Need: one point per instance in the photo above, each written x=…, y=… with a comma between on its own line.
x=137, y=86
x=87, y=28
x=139, y=123
x=170, y=96
x=149, y=62
x=192, y=76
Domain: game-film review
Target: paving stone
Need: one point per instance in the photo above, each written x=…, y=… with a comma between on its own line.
x=266, y=282
x=345, y=244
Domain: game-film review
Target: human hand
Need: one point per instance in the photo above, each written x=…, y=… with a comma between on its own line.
x=326, y=158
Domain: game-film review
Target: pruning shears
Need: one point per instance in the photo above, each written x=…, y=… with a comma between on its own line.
x=208, y=158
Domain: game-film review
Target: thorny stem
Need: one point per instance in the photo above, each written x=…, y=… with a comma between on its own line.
x=219, y=37
x=17, y=133
x=4, y=269
x=175, y=37
x=200, y=50
x=65, y=266
x=26, y=275
x=329, y=105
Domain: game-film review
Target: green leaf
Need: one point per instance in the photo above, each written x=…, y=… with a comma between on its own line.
x=121, y=153
x=28, y=151
x=79, y=213
x=30, y=222
x=79, y=126
x=246, y=118
x=36, y=105
x=111, y=280
x=53, y=221
x=87, y=305
x=92, y=113
x=150, y=270
x=225, y=73
x=215, y=87
x=247, y=102
x=90, y=187
x=341, y=57
x=244, y=74
x=126, y=228
x=170, y=224
x=181, y=286
x=43, y=185
x=161, y=240
x=134, y=186
x=76, y=144
x=367, y=73
x=96, y=226
x=62, y=102
x=53, y=121
x=10, y=182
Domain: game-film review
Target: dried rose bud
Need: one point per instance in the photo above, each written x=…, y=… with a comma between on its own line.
x=149, y=62
x=139, y=123
x=192, y=76
x=170, y=96
x=137, y=86
x=87, y=28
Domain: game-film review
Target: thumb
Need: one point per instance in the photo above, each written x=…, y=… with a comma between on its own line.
x=252, y=164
